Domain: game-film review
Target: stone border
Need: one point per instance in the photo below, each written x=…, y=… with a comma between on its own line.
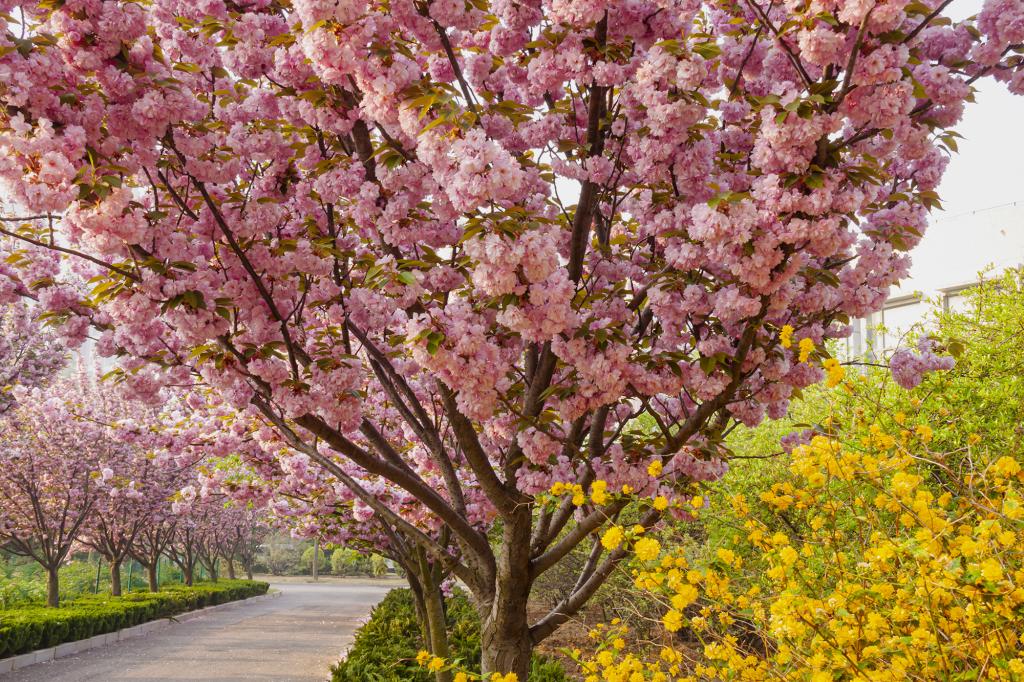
x=78, y=646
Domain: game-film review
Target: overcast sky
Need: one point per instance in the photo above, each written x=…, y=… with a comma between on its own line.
x=989, y=170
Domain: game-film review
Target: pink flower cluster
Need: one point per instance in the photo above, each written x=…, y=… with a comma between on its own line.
x=909, y=366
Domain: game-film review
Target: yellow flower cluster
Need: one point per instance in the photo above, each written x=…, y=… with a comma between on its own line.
x=435, y=664
x=834, y=372
x=600, y=495
x=786, y=336
x=806, y=347
x=611, y=663
x=645, y=549
x=873, y=560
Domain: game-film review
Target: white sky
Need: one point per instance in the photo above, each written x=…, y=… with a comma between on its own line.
x=989, y=170
x=983, y=196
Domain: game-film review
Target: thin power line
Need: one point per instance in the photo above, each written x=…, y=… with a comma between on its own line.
x=977, y=210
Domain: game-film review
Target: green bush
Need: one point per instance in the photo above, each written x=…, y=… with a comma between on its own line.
x=37, y=627
x=323, y=560
x=385, y=647
x=350, y=562
x=378, y=565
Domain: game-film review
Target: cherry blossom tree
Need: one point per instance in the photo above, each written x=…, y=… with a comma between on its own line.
x=242, y=538
x=134, y=494
x=29, y=355
x=508, y=232
x=186, y=544
x=46, y=496
x=130, y=502
x=152, y=542
x=311, y=503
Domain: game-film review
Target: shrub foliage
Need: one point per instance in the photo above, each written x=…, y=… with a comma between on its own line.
x=386, y=647
x=884, y=544
x=37, y=627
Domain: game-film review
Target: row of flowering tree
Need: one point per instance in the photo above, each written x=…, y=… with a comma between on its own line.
x=80, y=469
x=459, y=250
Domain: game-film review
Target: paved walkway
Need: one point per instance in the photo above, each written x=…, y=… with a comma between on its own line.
x=294, y=638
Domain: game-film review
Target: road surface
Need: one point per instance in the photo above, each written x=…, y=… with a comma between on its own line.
x=294, y=638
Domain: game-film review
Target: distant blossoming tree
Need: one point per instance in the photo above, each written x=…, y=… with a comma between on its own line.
x=310, y=502
x=507, y=231
x=50, y=478
x=29, y=355
x=132, y=502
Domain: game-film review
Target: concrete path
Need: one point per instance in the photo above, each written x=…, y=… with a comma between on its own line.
x=294, y=638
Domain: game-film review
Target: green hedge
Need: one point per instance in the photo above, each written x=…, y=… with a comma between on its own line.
x=37, y=627
x=385, y=647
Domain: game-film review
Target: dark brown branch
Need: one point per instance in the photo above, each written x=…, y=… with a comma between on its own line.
x=471, y=538
x=295, y=352
x=851, y=63
x=571, y=605
x=794, y=60
x=368, y=498
x=71, y=252
x=468, y=441
x=588, y=525
x=587, y=205
x=927, y=20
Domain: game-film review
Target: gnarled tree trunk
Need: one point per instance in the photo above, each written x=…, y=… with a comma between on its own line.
x=505, y=641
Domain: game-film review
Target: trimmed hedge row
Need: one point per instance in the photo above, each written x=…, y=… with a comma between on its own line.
x=385, y=647
x=37, y=627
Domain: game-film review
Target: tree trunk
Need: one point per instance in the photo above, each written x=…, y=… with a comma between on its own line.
x=421, y=607
x=505, y=641
x=425, y=581
x=231, y=569
x=186, y=574
x=505, y=645
x=115, y=578
x=248, y=571
x=438, y=629
x=151, y=577
x=52, y=587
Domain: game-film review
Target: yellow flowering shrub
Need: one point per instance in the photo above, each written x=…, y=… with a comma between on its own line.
x=872, y=558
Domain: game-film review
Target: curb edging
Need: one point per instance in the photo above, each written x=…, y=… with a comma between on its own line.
x=78, y=646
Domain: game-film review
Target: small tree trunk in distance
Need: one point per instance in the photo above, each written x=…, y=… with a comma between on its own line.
x=438, y=629
x=428, y=578
x=52, y=587
x=420, y=604
x=115, y=578
x=231, y=569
